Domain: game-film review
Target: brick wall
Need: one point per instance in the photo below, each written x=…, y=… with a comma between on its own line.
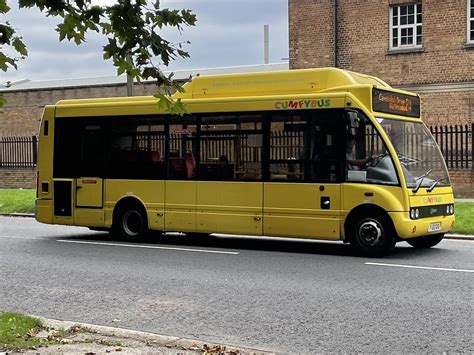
x=21, y=115
x=17, y=178
x=463, y=182
x=443, y=108
x=310, y=33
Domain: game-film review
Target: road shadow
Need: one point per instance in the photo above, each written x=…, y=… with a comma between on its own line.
x=269, y=244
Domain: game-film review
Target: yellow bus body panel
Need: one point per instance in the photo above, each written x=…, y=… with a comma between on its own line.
x=242, y=104
x=390, y=198
x=229, y=207
x=150, y=193
x=44, y=211
x=44, y=199
x=295, y=210
x=180, y=207
x=407, y=228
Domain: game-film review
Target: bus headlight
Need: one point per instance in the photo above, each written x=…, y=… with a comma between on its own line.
x=414, y=213
x=449, y=209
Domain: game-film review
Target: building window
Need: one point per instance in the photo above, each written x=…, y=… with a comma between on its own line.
x=406, y=26
x=470, y=21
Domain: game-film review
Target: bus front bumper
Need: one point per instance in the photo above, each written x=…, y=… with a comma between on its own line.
x=407, y=228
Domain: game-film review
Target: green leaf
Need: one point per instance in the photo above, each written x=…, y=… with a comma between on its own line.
x=19, y=46
x=3, y=100
x=4, y=8
x=5, y=61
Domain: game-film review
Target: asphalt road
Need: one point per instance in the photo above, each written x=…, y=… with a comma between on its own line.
x=271, y=294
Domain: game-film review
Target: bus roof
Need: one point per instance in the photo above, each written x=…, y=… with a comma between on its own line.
x=285, y=82
x=298, y=81
x=277, y=84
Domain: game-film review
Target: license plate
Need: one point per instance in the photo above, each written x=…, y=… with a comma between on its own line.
x=433, y=227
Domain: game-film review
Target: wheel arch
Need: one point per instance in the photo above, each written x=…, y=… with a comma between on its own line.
x=128, y=201
x=363, y=210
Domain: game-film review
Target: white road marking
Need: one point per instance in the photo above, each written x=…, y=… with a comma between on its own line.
x=150, y=247
x=420, y=267
x=14, y=237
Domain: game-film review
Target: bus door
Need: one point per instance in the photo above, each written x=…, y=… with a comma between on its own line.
x=89, y=186
x=89, y=192
x=303, y=195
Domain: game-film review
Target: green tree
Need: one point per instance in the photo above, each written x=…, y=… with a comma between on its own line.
x=131, y=28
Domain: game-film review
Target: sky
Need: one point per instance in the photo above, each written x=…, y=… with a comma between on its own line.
x=227, y=33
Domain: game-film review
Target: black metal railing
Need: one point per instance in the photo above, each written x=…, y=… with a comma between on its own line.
x=457, y=144
x=18, y=152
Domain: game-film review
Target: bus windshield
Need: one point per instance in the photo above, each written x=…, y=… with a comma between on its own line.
x=419, y=154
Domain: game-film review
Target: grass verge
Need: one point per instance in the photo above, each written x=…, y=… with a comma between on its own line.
x=464, y=212
x=17, y=201
x=18, y=331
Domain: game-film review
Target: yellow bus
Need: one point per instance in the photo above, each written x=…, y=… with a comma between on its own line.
x=315, y=153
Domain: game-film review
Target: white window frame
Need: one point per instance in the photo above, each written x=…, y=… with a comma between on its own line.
x=399, y=28
x=470, y=22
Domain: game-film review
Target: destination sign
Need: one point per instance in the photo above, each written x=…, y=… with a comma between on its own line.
x=395, y=103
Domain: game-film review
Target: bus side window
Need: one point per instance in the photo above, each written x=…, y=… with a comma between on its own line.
x=92, y=151
x=324, y=140
x=231, y=147
x=137, y=149
x=182, y=149
x=287, y=147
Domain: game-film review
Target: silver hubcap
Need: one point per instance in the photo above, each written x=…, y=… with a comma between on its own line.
x=132, y=223
x=370, y=232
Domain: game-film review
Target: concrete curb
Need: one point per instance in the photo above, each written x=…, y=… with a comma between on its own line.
x=157, y=339
x=459, y=236
x=29, y=215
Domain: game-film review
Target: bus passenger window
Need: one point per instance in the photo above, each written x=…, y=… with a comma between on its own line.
x=182, y=148
x=287, y=147
x=231, y=148
x=137, y=149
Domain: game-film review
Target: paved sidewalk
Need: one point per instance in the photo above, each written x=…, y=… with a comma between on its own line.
x=82, y=338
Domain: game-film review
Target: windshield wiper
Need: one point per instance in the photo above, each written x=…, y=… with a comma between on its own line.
x=433, y=185
x=420, y=181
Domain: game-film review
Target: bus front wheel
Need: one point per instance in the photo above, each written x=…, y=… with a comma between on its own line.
x=426, y=241
x=373, y=236
x=131, y=223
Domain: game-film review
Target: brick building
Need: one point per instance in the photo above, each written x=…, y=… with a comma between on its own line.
x=425, y=46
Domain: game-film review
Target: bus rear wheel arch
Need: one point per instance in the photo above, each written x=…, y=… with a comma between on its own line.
x=370, y=231
x=130, y=220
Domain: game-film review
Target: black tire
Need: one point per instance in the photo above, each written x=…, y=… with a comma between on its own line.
x=131, y=223
x=373, y=236
x=426, y=241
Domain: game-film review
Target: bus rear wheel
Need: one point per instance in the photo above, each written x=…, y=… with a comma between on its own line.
x=131, y=223
x=373, y=236
x=426, y=241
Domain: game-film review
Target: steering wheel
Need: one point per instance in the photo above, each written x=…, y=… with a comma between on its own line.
x=374, y=161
